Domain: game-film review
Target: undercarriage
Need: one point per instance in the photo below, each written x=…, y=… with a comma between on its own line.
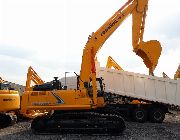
x=7, y=119
x=78, y=122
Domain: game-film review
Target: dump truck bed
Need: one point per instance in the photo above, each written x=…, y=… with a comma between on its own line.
x=141, y=86
x=135, y=85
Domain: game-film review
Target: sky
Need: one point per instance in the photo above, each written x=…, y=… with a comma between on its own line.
x=50, y=36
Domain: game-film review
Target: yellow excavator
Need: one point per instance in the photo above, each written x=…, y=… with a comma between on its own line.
x=10, y=104
x=112, y=63
x=32, y=79
x=177, y=74
x=82, y=110
x=10, y=110
x=32, y=76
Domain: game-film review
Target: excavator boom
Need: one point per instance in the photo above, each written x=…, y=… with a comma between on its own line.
x=112, y=63
x=32, y=76
x=149, y=51
x=177, y=74
x=1, y=80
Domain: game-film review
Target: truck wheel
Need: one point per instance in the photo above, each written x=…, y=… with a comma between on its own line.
x=139, y=115
x=156, y=115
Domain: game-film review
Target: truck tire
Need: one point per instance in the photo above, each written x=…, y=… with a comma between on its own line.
x=139, y=115
x=156, y=115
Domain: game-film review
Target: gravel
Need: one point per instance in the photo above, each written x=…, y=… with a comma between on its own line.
x=169, y=129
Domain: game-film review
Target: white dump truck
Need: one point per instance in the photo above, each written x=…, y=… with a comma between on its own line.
x=136, y=96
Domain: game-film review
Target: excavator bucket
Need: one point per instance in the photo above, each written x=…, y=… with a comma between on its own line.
x=150, y=52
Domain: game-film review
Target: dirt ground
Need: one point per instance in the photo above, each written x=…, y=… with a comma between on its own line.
x=169, y=129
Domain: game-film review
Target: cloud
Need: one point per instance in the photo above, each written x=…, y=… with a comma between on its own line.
x=169, y=62
x=15, y=52
x=14, y=69
x=168, y=27
x=173, y=28
x=51, y=35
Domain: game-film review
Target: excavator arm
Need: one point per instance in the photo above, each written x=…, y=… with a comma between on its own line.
x=112, y=63
x=32, y=76
x=149, y=51
x=176, y=75
x=1, y=80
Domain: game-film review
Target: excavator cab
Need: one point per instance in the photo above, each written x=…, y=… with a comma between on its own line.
x=88, y=86
x=6, y=86
x=100, y=87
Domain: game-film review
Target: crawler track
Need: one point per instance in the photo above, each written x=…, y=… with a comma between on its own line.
x=79, y=123
x=7, y=119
